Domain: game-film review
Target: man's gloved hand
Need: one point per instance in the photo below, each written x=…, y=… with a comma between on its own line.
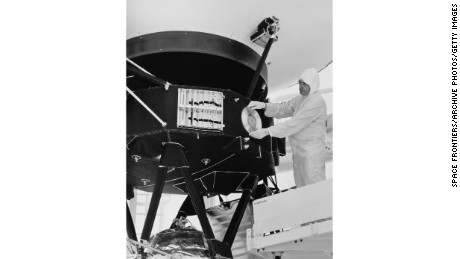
x=258, y=134
x=256, y=105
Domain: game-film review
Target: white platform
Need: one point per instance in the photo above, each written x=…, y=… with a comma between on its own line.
x=297, y=223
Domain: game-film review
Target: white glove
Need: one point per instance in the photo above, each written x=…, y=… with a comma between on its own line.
x=255, y=105
x=258, y=134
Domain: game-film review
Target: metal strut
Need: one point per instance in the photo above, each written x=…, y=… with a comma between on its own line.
x=255, y=77
x=130, y=224
x=198, y=203
x=145, y=106
x=174, y=155
x=240, y=209
x=139, y=67
x=154, y=202
x=274, y=182
x=142, y=73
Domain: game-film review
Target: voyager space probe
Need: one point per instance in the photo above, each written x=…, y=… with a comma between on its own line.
x=188, y=126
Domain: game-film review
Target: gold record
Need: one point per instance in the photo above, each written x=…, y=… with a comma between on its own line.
x=251, y=120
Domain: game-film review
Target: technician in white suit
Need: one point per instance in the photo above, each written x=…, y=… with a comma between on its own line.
x=306, y=129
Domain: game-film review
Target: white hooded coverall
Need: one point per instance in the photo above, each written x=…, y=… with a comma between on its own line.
x=306, y=130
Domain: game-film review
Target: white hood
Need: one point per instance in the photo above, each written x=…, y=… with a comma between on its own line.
x=311, y=77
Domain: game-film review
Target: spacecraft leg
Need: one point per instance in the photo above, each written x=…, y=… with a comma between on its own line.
x=174, y=155
x=249, y=186
x=154, y=202
x=130, y=225
x=199, y=207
